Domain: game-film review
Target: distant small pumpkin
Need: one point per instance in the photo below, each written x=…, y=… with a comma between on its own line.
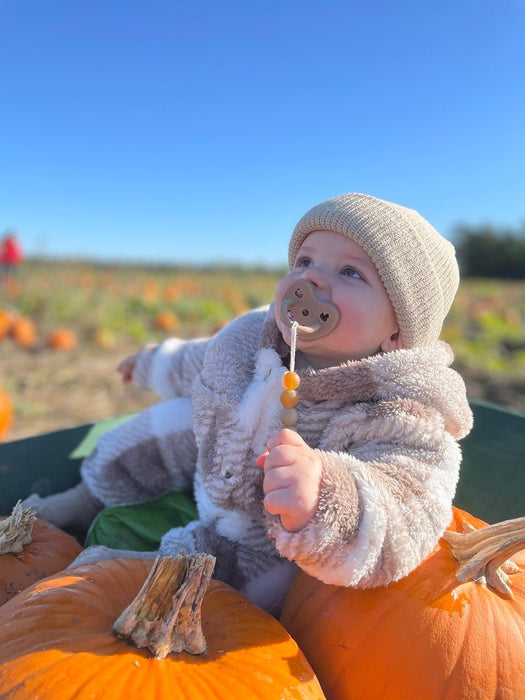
x=167, y=320
x=62, y=339
x=23, y=332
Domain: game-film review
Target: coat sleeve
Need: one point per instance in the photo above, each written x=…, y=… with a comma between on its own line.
x=150, y=454
x=169, y=368
x=382, y=507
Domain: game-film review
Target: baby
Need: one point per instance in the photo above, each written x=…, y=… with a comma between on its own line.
x=361, y=490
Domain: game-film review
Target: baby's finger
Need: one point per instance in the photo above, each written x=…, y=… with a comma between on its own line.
x=277, y=502
x=277, y=479
x=280, y=456
x=285, y=437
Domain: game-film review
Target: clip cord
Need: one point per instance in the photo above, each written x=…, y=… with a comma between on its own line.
x=293, y=345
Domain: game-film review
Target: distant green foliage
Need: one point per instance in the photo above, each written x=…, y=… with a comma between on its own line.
x=487, y=252
x=486, y=328
x=115, y=309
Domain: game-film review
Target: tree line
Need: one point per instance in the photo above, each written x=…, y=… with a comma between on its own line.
x=488, y=252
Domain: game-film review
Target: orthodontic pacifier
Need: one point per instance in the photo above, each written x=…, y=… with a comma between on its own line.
x=316, y=318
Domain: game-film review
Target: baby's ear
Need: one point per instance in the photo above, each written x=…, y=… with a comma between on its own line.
x=394, y=342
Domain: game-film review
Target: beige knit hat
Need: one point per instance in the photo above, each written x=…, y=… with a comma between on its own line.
x=417, y=265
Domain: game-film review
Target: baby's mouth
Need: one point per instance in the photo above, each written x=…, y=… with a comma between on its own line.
x=300, y=328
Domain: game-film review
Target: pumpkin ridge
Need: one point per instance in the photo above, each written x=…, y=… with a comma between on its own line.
x=52, y=683
x=28, y=679
x=455, y=683
x=497, y=648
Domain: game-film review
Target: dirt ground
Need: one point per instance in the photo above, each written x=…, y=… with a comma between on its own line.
x=53, y=390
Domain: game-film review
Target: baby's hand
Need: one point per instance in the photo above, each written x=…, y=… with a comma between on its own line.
x=292, y=479
x=126, y=368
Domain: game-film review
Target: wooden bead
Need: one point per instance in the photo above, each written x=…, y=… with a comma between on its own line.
x=289, y=398
x=291, y=380
x=288, y=417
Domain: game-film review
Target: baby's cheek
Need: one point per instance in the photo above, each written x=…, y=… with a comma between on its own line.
x=279, y=295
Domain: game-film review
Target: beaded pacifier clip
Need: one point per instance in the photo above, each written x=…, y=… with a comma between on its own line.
x=291, y=381
x=305, y=313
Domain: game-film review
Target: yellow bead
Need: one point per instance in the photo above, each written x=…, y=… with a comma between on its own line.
x=289, y=417
x=291, y=380
x=289, y=398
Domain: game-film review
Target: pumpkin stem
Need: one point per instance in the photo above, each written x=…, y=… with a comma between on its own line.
x=165, y=616
x=16, y=530
x=482, y=554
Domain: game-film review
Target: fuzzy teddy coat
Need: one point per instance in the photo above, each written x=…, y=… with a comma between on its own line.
x=386, y=428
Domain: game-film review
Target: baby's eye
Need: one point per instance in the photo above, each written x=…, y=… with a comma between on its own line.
x=303, y=262
x=350, y=272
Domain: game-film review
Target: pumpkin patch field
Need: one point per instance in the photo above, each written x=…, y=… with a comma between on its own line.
x=65, y=326
x=452, y=629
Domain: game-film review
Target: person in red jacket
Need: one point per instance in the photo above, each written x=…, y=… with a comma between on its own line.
x=10, y=254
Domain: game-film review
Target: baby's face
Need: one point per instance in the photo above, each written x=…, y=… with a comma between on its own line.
x=342, y=273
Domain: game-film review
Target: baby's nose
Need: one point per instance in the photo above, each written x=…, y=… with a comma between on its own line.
x=316, y=276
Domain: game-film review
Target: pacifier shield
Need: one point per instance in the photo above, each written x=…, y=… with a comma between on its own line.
x=315, y=317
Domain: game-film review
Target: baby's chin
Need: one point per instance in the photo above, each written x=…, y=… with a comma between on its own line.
x=302, y=339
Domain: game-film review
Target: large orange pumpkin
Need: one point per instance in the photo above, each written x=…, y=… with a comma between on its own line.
x=6, y=414
x=30, y=549
x=56, y=644
x=428, y=635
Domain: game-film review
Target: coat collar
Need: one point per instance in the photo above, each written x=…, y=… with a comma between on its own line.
x=422, y=374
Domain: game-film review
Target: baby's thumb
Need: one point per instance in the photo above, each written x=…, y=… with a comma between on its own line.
x=261, y=459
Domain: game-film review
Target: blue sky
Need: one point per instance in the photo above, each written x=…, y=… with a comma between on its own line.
x=200, y=131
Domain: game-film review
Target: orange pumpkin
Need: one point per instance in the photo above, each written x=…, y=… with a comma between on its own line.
x=62, y=339
x=172, y=292
x=56, y=643
x=23, y=332
x=428, y=635
x=6, y=319
x=30, y=549
x=166, y=320
x=151, y=291
x=6, y=414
